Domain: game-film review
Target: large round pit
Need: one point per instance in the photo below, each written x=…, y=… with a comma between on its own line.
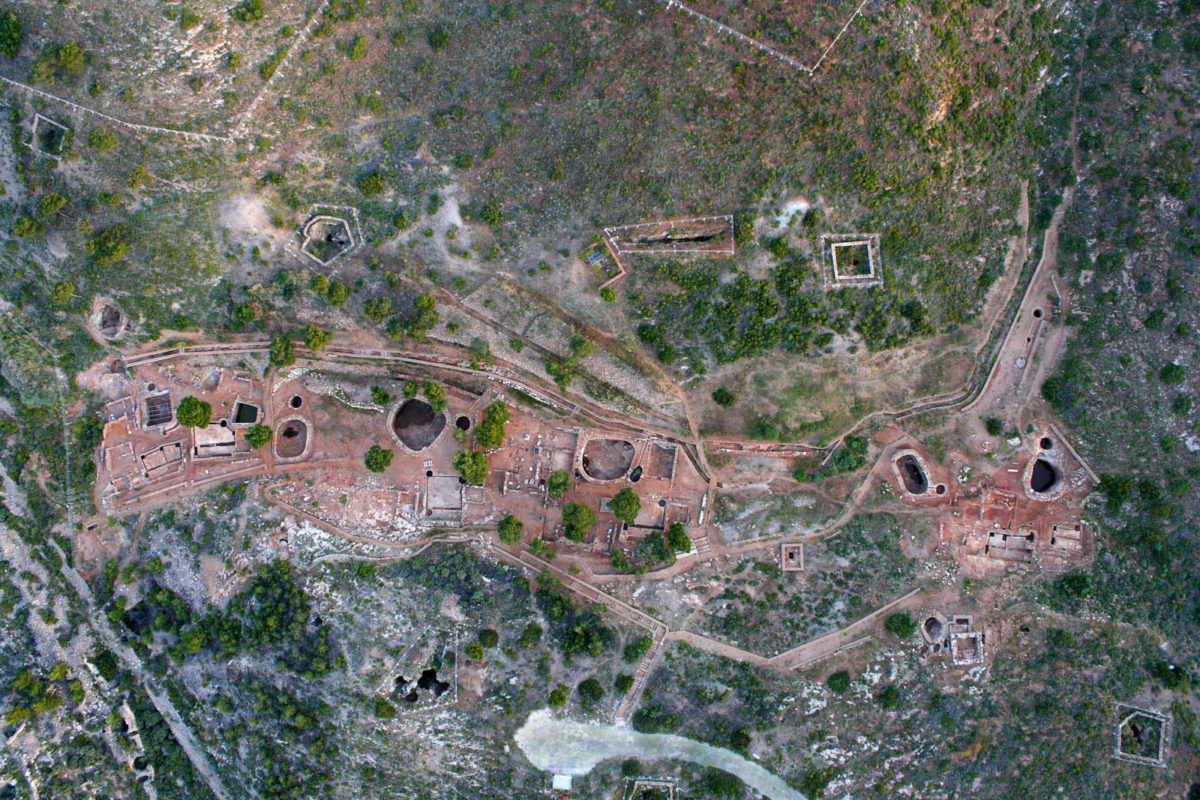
x=915, y=479
x=607, y=459
x=1044, y=476
x=291, y=439
x=416, y=424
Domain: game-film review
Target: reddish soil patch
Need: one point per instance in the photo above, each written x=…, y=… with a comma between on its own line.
x=292, y=439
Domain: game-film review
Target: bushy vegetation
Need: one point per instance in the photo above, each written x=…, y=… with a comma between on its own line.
x=510, y=529
x=472, y=466
x=578, y=631
x=193, y=412
x=258, y=435
x=378, y=459
x=577, y=521
x=849, y=456
x=490, y=432
x=559, y=483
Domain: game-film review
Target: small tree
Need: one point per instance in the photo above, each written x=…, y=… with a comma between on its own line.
x=258, y=435
x=383, y=709
x=558, y=697
x=371, y=184
x=474, y=651
x=411, y=389
x=491, y=214
x=510, y=529
x=623, y=683
x=531, y=635
x=357, y=48
x=247, y=11
x=27, y=227
x=339, y=293
x=193, y=412
x=590, y=692
x=435, y=393
x=315, y=339
x=378, y=309
x=838, y=682
x=888, y=698
x=378, y=459
x=102, y=140
x=64, y=293
x=10, y=34
x=625, y=505
x=994, y=426
x=319, y=285
x=489, y=638
x=723, y=397
x=559, y=483
x=472, y=466
x=490, y=433
x=282, y=352
x=678, y=539
x=1172, y=374
x=380, y=396
x=637, y=648
x=438, y=39
x=900, y=625
x=50, y=205
x=577, y=519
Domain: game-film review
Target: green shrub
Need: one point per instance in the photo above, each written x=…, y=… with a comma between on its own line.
x=258, y=435
x=490, y=433
x=338, y=293
x=888, y=698
x=1172, y=374
x=383, y=709
x=531, y=635
x=721, y=784
x=378, y=459
x=372, y=184
x=27, y=227
x=510, y=529
x=590, y=691
x=994, y=426
x=10, y=34
x=637, y=648
x=559, y=483
x=315, y=339
x=723, y=397
x=838, y=682
x=625, y=505
x=577, y=519
x=282, y=352
x=678, y=539
x=491, y=214
x=193, y=412
x=50, y=205
x=472, y=466
x=900, y=625
x=247, y=11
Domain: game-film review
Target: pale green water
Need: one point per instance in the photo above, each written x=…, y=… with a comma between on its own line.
x=575, y=748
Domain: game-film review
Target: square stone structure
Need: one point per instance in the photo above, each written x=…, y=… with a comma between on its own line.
x=791, y=557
